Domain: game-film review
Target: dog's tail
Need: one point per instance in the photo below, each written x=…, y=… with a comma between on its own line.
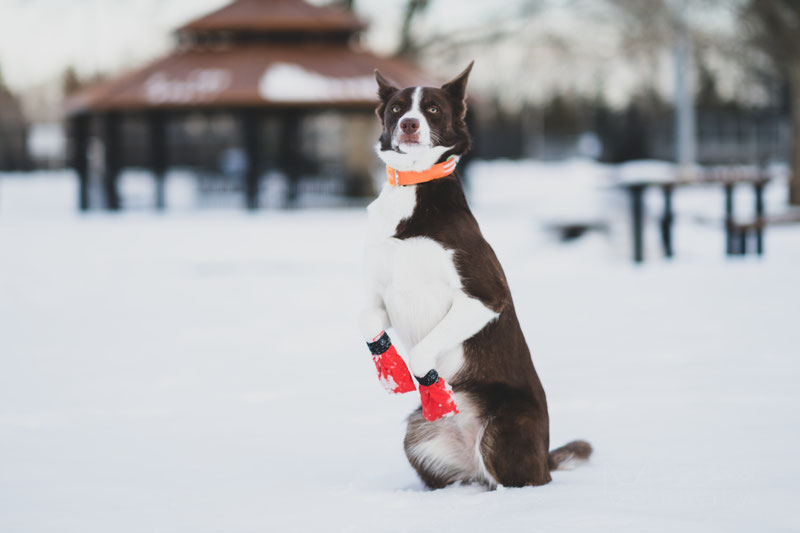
x=570, y=455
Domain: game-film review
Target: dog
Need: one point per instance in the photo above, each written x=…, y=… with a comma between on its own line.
x=433, y=279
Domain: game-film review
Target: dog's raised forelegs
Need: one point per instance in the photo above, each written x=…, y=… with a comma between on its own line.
x=373, y=319
x=392, y=370
x=466, y=317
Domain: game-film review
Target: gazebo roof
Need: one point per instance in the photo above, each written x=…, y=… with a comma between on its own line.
x=253, y=75
x=293, y=73
x=276, y=16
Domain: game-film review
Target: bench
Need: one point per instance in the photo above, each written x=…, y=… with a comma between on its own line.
x=568, y=231
x=728, y=177
x=741, y=231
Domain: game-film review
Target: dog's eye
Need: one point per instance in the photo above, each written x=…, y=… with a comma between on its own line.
x=433, y=110
x=395, y=109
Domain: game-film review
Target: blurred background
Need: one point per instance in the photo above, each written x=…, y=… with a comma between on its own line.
x=182, y=193
x=184, y=89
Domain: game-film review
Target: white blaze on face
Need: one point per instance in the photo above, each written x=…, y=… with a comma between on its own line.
x=424, y=130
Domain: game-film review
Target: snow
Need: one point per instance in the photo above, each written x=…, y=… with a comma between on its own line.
x=201, y=370
x=287, y=82
x=388, y=383
x=198, y=84
x=47, y=141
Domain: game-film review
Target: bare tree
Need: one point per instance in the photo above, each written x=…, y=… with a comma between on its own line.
x=775, y=25
x=70, y=82
x=349, y=5
x=413, y=9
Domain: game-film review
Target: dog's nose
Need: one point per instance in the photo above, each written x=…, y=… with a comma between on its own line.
x=409, y=125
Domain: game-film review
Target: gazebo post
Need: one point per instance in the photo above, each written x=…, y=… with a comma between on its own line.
x=250, y=120
x=156, y=123
x=79, y=124
x=112, y=142
x=289, y=152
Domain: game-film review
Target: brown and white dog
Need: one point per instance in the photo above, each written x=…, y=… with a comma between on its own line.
x=437, y=283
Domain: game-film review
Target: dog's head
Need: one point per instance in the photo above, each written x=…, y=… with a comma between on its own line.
x=422, y=125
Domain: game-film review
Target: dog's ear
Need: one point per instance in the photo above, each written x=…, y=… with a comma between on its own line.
x=386, y=89
x=456, y=88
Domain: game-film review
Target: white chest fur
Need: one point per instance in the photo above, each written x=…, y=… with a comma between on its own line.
x=416, y=289
x=416, y=278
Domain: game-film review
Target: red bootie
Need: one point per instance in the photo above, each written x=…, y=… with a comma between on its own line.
x=437, y=397
x=392, y=370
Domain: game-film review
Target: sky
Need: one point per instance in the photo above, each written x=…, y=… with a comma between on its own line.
x=39, y=39
x=111, y=35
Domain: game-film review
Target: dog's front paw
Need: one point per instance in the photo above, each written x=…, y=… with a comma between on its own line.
x=421, y=359
x=392, y=370
x=437, y=397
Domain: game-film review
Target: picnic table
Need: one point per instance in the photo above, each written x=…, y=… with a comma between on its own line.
x=736, y=232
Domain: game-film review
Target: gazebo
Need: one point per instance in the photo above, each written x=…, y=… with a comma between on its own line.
x=267, y=65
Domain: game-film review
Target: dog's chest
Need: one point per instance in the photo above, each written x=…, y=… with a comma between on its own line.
x=416, y=277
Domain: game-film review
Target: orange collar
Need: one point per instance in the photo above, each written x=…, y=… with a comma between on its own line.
x=410, y=177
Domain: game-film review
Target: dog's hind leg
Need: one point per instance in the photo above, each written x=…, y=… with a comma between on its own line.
x=515, y=449
x=437, y=451
x=447, y=450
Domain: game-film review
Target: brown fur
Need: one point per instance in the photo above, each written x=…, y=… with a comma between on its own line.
x=498, y=370
x=579, y=450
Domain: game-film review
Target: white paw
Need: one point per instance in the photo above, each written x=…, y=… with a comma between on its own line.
x=421, y=360
x=371, y=322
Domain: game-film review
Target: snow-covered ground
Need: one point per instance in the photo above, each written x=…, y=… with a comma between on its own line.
x=200, y=371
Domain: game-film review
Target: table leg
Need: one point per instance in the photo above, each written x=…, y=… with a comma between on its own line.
x=729, y=236
x=637, y=219
x=666, y=221
x=759, y=190
x=742, y=242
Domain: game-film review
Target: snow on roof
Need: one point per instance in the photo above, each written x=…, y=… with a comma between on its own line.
x=250, y=75
x=292, y=83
